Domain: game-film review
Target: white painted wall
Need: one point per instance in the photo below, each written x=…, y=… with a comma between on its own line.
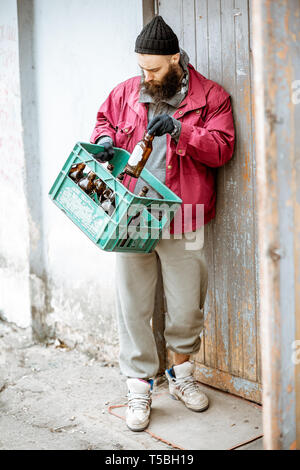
x=82, y=49
x=77, y=52
x=14, y=242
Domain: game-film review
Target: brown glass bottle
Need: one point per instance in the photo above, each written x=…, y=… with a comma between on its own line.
x=139, y=156
x=107, y=193
x=87, y=183
x=112, y=206
x=143, y=191
x=120, y=177
x=109, y=202
x=76, y=172
x=100, y=187
x=136, y=218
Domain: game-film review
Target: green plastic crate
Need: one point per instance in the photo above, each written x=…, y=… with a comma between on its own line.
x=111, y=233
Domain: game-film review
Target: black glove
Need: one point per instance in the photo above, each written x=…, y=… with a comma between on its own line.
x=107, y=154
x=160, y=125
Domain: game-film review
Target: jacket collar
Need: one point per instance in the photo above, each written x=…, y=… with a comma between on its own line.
x=133, y=98
x=196, y=96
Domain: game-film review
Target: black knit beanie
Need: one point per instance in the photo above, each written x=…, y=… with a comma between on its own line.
x=157, y=38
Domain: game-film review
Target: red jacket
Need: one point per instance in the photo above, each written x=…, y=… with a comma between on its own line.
x=206, y=141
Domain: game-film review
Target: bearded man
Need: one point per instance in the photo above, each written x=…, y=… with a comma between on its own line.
x=191, y=119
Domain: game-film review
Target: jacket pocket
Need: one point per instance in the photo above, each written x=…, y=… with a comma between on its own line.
x=124, y=133
x=193, y=119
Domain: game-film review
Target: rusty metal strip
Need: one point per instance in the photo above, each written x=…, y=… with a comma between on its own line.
x=242, y=444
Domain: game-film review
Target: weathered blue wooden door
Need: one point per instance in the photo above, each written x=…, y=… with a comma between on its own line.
x=216, y=35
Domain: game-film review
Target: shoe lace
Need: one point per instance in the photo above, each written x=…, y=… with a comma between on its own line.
x=187, y=384
x=139, y=400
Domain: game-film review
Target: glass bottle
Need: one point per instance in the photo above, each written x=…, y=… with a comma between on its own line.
x=120, y=177
x=139, y=156
x=87, y=183
x=143, y=191
x=76, y=172
x=135, y=220
x=100, y=187
x=108, y=205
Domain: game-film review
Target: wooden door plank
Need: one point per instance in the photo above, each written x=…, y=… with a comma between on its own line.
x=210, y=327
x=201, y=23
x=188, y=21
x=243, y=322
x=235, y=238
x=219, y=240
x=230, y=195
x=208, y=352
x=255, y=208
x=214, y=40
x=173, y=16
x=228, y=49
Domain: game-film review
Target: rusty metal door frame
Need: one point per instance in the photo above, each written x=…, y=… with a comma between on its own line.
x=276, y=53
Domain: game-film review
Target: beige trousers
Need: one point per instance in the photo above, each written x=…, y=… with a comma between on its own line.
x=184, y=272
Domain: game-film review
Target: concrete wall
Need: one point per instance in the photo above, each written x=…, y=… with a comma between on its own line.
x=81, y=51
x=14, y=216
x=72, y=54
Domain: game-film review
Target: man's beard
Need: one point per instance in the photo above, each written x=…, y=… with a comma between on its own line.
x=165, y=89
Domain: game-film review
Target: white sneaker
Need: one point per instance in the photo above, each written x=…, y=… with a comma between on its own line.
x=139, y=404
x=183, y=386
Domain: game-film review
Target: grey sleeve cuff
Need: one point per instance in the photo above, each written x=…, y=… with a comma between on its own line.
x=175, y=134
x=103, y=139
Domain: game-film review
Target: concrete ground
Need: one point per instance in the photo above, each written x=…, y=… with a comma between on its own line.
x=53, y=397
